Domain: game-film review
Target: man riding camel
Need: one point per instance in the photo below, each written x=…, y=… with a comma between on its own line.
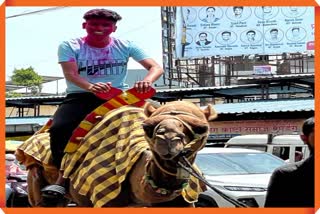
x=93, y=64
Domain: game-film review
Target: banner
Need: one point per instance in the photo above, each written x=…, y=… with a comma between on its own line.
x=232, y=31
x=228, y=129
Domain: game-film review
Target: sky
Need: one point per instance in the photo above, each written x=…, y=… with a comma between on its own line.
x=32, y=40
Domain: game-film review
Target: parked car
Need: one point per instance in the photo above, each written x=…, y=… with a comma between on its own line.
x=288, y=147
x=242, y=174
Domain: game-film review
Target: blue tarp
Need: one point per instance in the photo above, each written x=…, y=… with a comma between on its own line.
x=27, y=120
x=268, y=106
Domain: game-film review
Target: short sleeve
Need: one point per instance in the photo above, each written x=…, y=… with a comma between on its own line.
x=137, y=53
x=66, y=53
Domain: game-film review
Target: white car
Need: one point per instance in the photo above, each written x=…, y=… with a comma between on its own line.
x=242, y=174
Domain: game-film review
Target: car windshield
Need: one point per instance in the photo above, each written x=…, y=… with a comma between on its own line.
x=237, y=163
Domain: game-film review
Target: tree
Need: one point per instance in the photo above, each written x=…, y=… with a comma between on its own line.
x=12, y=94
x=29, y=78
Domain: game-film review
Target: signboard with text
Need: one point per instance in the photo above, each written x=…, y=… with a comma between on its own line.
x=213, y=30
x=228, y=129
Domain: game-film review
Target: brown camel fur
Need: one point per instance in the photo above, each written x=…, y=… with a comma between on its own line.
x=173, y=130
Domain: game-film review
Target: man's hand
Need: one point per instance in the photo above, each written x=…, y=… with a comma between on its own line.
x=100, y=87
x=142, y=86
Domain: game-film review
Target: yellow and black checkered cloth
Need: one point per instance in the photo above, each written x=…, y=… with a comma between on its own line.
x=105, y=156
x=36, y=150
x=38, y=146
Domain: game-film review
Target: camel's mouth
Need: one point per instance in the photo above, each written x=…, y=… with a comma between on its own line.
x=167, y=148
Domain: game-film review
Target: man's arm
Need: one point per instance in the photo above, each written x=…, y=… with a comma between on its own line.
x=276, y=190
x=70, y=71
x=154, y=72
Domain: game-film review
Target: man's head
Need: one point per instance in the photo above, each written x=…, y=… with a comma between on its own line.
x=295, y=31
x=250, y=35
x=298, y=156
x=10, y=158
x=307, y=135
x=226, y=35
x=203, y=36
x=237, y=10
x=102, y=14
x=274, y=33
x=100, y=23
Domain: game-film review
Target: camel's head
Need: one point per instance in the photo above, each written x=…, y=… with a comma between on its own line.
x=177, y=127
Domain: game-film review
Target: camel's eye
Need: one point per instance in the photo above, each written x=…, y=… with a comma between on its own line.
x=179, y=137
x=161, y=131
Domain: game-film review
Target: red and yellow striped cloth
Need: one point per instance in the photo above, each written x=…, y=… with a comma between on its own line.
x=129, y=97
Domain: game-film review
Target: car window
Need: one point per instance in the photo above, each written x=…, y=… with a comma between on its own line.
x=237, y=163
x=282, y=152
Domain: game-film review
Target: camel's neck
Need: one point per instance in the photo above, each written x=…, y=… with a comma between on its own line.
x=165, y=174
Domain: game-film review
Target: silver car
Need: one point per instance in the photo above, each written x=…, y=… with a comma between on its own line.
x=242, y=174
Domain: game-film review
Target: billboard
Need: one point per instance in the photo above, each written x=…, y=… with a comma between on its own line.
x=232, y=31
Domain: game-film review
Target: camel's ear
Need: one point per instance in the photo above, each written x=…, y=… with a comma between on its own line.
x=150, y=123
x=149, y=109
x=210, y=113
x=148, y=129
x=200, y=129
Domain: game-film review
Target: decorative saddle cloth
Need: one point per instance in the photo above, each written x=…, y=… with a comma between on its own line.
x=106, y=155
x=103, y=158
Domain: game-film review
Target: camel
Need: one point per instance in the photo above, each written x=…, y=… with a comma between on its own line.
x=129, y=159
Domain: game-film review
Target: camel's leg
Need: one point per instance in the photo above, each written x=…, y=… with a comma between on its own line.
x=80, y=200
x=35, y=183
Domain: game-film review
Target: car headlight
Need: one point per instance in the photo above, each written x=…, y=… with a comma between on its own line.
x=248, y=189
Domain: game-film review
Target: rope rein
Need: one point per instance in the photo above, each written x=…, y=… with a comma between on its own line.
x=189, y=168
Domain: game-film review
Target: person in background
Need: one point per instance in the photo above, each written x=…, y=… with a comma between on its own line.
x=226, y=35
x=274, y=35
x=203, y=41
x=210, y=15
x=292, y=185
x=11, y=167
x=295, y=34
x=93, y=64
x=251, y=34
x=298, y=156
x=237, y=12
